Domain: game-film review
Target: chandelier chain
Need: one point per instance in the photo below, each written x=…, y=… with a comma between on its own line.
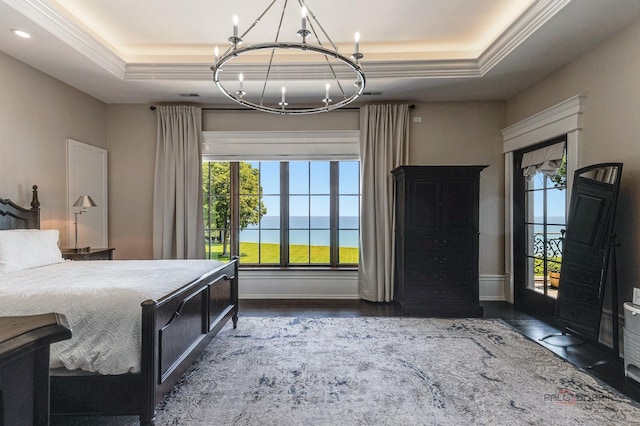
x=315, y=34
x=264, y=85
x=259, y=18
x=281, y=19
x=310, y=13
x=273, y=51
x=335, y=77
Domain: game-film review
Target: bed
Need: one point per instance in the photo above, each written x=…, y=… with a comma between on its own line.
x=174, y=326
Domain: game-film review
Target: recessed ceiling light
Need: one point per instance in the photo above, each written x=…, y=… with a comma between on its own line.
x=21, y=33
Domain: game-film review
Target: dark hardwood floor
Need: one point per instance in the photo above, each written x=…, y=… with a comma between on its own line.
x=584, y=355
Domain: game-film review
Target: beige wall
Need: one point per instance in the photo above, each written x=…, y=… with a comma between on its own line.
x=132, y=150
x=609, y=77
x=132, y=139
x=450, y=133
x=37, y=115
x=468, y=133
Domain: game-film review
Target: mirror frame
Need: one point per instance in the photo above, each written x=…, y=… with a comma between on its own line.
x=587, y=249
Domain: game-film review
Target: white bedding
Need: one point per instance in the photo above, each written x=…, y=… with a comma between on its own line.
x=101, y=300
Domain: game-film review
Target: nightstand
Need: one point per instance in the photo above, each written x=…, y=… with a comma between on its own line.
x=88, y=254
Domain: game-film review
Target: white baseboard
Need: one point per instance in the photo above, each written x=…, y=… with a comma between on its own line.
x=492, y=288
x=306, y=284
x=303, y=284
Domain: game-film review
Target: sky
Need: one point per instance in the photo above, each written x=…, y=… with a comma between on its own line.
x=310, y=177
x=556, y=199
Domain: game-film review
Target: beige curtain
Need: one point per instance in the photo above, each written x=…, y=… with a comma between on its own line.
x=384, y=145
x=178, y=224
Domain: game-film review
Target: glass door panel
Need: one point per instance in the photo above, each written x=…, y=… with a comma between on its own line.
x=545, y=219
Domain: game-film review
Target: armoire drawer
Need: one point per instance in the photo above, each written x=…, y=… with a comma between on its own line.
x=441, y=260
x=449, y=276
x=442, y=291
x=440, y=284
x=429, y=242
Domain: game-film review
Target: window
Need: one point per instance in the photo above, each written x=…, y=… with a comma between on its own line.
x=284, y=213
x=545, y=199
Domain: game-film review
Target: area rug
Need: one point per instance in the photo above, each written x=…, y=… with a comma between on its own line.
x=386, y=371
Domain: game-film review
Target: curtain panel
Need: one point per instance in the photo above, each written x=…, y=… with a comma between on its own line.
x=384, y=145
x=178, y=223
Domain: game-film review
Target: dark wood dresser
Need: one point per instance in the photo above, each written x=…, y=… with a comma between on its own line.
x=24, y=366
x=437, y=235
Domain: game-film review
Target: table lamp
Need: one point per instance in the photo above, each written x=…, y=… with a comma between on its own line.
x=83, y=201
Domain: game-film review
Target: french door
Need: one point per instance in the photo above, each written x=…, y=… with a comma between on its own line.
x=540, y=200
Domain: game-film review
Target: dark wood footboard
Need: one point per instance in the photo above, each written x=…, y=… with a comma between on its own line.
x=175, y=330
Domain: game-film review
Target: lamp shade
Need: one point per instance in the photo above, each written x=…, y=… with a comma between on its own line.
x=84, y=201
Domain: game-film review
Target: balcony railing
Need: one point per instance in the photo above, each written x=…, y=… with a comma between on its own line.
x=552, y=249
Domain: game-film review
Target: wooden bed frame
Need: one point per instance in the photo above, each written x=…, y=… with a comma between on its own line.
x=175, y=330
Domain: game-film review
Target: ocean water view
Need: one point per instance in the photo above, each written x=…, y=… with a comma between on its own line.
x=554, y=224
x=304, y=230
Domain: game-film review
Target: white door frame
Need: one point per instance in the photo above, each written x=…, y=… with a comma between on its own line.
x=563, y=118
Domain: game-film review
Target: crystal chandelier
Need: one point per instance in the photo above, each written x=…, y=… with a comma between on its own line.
x=266, y=76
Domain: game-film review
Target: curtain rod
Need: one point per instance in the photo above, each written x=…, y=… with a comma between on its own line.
x=153, y=108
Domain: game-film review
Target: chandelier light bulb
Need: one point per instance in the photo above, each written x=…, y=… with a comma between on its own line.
x=326, y=99
x=357, y=38
x=235, y=26
x=283, y=92
x=304, y=17
x=216, y=54
x=241, y=79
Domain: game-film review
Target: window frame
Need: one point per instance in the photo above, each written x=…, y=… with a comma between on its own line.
x=281, y=145
x=284, y=214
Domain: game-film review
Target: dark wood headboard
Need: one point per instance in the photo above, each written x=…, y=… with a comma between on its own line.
x=12, y=216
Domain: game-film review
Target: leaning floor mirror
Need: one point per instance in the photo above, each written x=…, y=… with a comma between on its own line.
x=587, y=250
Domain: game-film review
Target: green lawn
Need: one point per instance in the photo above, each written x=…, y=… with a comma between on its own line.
x=298, y=254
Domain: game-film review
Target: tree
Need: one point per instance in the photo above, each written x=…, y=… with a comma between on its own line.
x=560, y=178
x=217, y=198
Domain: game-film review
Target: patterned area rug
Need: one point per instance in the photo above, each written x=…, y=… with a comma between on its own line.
x=385, y=371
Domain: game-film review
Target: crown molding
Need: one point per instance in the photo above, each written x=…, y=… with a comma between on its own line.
x=192, y=72
x=454, y=68
x=534, y=17
x=514, y=35
x=388, y=69
x=40, y=12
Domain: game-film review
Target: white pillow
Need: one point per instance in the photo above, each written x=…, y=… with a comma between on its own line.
x=28, y=248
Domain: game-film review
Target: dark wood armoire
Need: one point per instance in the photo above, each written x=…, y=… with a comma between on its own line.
x=436, y=240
